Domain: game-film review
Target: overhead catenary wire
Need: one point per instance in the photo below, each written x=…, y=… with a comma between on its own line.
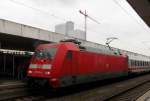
x=51, y=14
x=90, y=30
x=125, y=11
x=132, y=17
x=61, y=18
x=37, y=9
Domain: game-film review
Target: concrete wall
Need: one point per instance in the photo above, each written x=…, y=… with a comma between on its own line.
x=78, y=34
x=12, y=28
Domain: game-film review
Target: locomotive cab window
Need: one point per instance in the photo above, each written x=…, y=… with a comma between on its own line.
x=69, y=55
x=45, y=53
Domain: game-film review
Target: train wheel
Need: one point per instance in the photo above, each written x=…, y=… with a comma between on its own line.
x=31, y=83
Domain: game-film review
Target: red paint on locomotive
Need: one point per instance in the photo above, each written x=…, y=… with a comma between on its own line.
x=68, y=65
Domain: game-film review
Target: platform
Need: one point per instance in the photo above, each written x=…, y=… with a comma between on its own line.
x=145, y=97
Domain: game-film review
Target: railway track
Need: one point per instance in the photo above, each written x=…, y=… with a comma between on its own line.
x=119, y=91
x=12, y=89
x=132, y=94
x=125, y=90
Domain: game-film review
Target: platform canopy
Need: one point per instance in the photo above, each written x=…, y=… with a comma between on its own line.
x=142, y=7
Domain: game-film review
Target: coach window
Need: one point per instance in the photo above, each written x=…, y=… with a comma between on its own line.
x=136, y=63
x=131, y=63
x=146, y=63
x=142, y=63
x=69, y=55
x=139, y=63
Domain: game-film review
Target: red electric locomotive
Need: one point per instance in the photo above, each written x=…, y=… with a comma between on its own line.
x=67, y=63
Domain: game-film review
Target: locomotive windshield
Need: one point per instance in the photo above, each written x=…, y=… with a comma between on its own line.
x=46, y=53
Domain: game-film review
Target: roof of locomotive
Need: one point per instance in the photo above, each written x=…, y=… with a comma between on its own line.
x=68, y=45
x=115, y=51
x=104, y=50
x=107, y=50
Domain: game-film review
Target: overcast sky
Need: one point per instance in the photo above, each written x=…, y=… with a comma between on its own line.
x=116, y=17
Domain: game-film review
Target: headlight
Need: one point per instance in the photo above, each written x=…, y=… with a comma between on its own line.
x=47, y=66
x=47, y=73
x=29, y=71
x=33, y=66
